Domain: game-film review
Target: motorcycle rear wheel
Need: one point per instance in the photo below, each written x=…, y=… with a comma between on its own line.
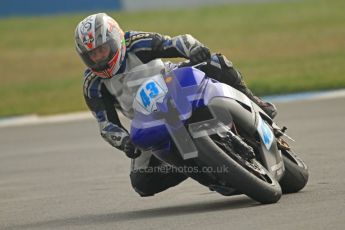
x=296, y=173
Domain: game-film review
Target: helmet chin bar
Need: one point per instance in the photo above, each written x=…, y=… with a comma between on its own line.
x=107, y=73
x=103, y=74
x=108, y=70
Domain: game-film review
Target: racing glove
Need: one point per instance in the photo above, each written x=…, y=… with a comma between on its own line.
x=130, y=150
x=199, y=53
x=119, y=138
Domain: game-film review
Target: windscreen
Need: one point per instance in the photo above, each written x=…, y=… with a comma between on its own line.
x=124, y=86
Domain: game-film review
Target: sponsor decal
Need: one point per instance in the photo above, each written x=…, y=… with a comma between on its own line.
x=265, y=133
x=88, y=40
x=87, y=35
x=138, y=36
x=111, y=25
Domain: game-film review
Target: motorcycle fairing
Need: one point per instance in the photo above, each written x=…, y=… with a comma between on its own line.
x=188, y=89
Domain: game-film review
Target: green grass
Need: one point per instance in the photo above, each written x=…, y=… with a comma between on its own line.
x=278, y=47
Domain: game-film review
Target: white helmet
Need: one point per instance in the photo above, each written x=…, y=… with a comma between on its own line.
x=100, y=43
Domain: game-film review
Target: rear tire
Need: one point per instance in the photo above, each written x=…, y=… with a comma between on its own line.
x=262, y=188
x=296, y=173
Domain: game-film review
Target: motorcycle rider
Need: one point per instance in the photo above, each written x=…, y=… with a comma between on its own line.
x=108, y=51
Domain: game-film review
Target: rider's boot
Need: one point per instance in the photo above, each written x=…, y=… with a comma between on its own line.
x=269, y=108
x=229, y=75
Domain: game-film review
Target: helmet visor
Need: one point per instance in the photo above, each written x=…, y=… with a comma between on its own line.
x=98, y=58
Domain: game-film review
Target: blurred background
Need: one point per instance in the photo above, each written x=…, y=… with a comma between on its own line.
x=279, y=46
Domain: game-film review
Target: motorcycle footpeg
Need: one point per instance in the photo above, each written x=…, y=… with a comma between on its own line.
x=282, y=144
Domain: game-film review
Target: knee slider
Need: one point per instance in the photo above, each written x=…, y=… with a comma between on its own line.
x=140, y=184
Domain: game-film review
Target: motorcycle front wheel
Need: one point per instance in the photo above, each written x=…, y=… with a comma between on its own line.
x=230, y=169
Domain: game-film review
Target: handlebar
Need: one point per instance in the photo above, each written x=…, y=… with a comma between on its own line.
x=190, y=64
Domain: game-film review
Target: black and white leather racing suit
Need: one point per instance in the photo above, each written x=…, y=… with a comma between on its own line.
x=102, y=99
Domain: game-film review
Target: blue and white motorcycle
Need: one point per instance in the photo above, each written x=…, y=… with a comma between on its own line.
x=187, y=119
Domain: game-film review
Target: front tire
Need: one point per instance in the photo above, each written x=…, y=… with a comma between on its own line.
x=260, y=185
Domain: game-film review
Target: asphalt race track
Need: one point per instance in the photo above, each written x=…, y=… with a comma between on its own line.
x=64, y=176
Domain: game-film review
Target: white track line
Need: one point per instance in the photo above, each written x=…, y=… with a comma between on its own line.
x=307, y=96
x=35, y=120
